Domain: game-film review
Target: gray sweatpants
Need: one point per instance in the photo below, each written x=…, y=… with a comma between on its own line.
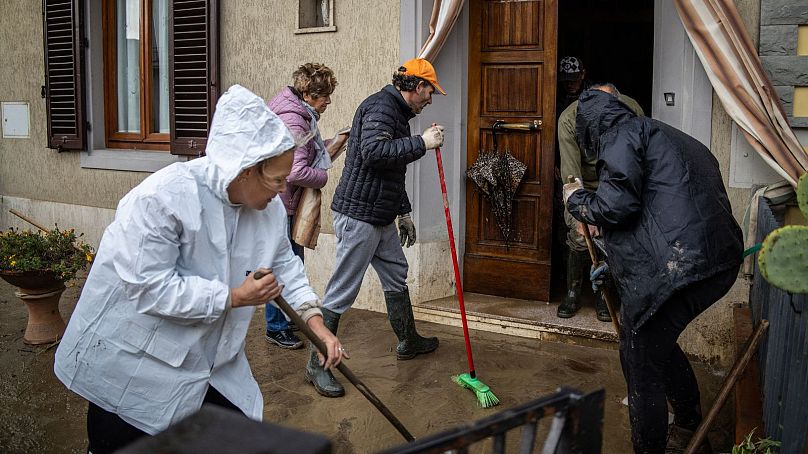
x=360, y=244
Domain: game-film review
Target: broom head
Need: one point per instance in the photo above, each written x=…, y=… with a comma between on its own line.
x=484, y=395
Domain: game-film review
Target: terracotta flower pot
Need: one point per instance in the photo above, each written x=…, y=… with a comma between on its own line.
x=40, y=291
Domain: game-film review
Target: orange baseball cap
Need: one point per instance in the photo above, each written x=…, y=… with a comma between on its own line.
x=423, y=69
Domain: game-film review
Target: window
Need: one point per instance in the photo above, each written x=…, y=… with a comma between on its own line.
x=136, y=74
x=315, y=16
x=149, y=80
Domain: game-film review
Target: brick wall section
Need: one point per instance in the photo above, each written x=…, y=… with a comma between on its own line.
x=778, y=50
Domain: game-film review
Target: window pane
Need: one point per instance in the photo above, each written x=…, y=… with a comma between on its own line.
x=159, y=56
x=128, y=65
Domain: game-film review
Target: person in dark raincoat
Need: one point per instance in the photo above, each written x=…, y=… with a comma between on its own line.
x=674, y=249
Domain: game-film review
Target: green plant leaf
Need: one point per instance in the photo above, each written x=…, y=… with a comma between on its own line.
x=59, y=251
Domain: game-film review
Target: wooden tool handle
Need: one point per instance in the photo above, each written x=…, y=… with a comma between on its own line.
x=320, y=345
x=593, y=255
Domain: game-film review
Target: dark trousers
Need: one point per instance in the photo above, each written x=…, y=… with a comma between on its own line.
x=657, y=370
x=107, y=432
x=275, y=319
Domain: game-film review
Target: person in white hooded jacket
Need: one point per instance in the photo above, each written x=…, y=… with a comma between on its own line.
x=161, y=322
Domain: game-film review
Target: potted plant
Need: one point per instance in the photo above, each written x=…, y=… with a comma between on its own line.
x=39, y=264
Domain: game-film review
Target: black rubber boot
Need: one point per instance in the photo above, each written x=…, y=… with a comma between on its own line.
x=576, y=261
x=323, y=380
x=399, y=311
x=601, y=310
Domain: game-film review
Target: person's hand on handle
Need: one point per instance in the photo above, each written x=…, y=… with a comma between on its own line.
x=433, y=136
x=569, y=188
x=255, y=292
x=593, y=230
x=336, y=352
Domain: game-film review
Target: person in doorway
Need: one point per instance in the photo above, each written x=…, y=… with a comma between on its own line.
x=571, y=78
x=574, y=163
x=368, y=200
x=300, y=107
x=161, y=323
x=674, y=249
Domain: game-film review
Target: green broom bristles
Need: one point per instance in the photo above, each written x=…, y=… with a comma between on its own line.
x=484, y=395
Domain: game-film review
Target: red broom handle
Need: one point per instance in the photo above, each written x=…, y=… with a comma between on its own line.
x=454, y=262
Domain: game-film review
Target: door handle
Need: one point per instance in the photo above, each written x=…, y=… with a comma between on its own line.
x=526, y=126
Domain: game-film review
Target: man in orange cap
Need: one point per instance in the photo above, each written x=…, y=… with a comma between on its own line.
x=370, y=196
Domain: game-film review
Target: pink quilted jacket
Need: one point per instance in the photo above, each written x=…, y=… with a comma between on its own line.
x=291, y=110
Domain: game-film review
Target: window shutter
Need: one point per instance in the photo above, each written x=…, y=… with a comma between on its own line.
x=193, y=40
x=62, y=26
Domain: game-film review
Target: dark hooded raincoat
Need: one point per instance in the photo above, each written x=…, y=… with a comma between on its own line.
x=661, y=205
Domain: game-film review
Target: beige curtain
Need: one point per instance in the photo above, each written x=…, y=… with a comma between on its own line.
x=444, y=16
x=734, y=69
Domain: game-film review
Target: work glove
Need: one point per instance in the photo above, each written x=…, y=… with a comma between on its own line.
x=406, y=230
x=433, y=137
x=570, y=188
x=597, y=275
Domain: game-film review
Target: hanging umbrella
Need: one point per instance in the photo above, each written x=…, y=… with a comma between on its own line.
x=497, y=175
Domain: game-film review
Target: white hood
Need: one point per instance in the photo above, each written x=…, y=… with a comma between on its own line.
x=243, y=133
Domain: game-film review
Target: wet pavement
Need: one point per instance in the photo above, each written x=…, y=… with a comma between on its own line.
x=37, y=414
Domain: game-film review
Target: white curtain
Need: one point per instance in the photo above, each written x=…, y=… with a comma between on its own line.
x=735, y=72
x=160, y=65
x=128, y=51
x=444, y=16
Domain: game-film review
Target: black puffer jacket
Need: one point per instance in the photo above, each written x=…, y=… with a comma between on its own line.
x=661, y=203
x=371, y=188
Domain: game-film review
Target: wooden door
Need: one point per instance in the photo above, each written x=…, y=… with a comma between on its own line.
x=512, y=78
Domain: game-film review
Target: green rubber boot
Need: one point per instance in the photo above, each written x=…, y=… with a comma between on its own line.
x=323, y=380
x=410, y=343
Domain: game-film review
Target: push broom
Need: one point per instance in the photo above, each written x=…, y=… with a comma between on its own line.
x=485, y=397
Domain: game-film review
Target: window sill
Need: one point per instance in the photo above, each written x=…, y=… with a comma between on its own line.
x=130, y=160
x=301, y=31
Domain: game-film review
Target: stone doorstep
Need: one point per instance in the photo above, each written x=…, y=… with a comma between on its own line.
x=748, y=405
x=521, y=327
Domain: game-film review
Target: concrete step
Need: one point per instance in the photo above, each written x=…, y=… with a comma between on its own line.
x=523, y=318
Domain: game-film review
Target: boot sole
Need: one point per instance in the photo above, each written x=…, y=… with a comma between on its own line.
x=284, y=346
x=322, y=392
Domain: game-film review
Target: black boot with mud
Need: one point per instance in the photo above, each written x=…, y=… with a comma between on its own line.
x=576, y=261
x=601, y=310
x=410, y=343
x=323, y=380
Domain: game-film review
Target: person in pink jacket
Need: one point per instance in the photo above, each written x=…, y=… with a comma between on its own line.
x=299, y=106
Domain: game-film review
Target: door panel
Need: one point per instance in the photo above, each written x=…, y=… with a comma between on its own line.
x=512, y=64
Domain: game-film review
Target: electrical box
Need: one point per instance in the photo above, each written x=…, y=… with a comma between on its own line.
x=15, y=120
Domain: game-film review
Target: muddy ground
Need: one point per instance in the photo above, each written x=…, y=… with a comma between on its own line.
x=38, y=415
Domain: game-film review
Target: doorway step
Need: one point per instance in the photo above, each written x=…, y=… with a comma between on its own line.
x=523, y=318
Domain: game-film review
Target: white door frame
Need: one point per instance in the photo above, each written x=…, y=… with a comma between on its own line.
x=678, y=70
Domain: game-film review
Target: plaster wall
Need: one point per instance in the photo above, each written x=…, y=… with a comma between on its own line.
x=28, y=169
x=710, y=336
x=363, y=53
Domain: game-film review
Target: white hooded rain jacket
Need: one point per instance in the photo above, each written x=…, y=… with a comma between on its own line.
x=153, y=327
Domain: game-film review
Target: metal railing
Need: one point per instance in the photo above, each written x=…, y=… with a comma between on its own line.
x=783, y=354
x=576, y=427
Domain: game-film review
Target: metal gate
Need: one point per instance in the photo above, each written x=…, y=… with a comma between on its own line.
x=576, y=427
